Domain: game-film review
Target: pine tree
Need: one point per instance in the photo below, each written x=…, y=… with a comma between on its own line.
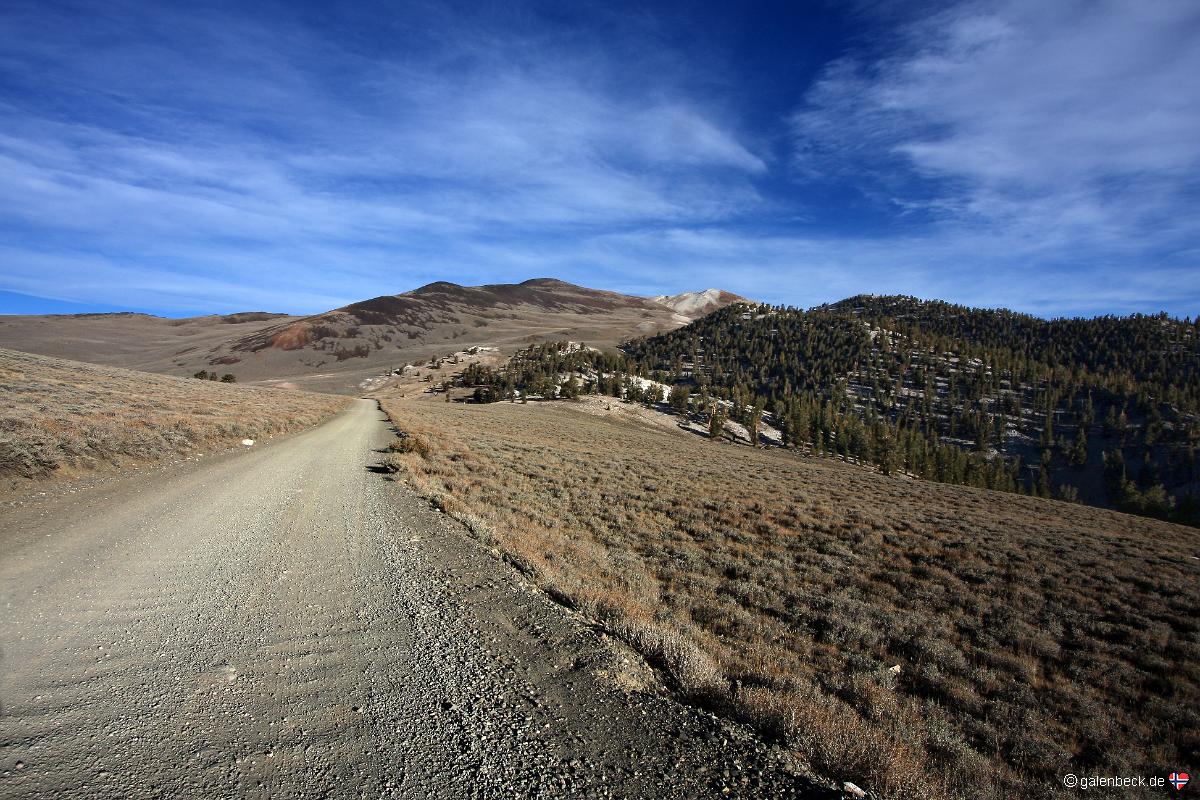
x=1042, y=488
x=886, y=452
x=755, y=420
x=716, y=421
x=678, y=400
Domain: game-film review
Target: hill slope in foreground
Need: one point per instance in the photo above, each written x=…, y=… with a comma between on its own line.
x=921, y=639
x=335, y=350
x=64, y=417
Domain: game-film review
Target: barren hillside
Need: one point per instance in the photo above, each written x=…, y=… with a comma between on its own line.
x=134, y=341
x=363, y=338
x=62, y=418
x=696, y=304
x=338, y=349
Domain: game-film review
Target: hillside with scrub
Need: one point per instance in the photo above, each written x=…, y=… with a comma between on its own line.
x=66, y=418
x=922, y=640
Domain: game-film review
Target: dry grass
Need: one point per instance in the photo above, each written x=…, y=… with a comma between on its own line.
x=1034, y=638
x=61, y=417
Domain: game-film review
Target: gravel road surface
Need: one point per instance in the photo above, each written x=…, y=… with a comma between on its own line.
x=284, y=622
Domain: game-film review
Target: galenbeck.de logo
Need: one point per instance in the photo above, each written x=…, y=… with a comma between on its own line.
x=1179, y=779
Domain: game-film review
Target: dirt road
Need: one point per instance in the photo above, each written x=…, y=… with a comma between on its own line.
x=285, y=622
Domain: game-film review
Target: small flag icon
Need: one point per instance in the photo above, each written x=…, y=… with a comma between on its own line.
x=1179, y=779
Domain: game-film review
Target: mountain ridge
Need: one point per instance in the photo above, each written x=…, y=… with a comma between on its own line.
x=335, y=350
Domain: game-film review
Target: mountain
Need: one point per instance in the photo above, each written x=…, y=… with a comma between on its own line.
x=1103, y=411
x=694, y=305
x=337, y=349
x=384, y=332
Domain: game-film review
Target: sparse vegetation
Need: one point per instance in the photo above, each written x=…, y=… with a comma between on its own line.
x=205, y=375
x=65, y=416
x=409, y=443
x=920, y=639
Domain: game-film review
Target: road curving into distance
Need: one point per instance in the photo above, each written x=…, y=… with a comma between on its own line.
x=284, y=622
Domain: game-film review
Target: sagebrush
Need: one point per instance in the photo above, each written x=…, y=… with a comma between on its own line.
x=64, y=416
x=920, y=639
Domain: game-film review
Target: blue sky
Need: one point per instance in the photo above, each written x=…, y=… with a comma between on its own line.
x=195, y=158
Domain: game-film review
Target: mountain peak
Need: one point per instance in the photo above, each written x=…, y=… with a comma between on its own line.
x=437, y=287
x=694, y=305
x=548, y=283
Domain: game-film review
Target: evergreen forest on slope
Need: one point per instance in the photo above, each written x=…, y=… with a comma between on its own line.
x=1104, y=411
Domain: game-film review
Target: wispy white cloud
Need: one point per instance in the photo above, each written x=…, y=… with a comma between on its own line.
x=1038, y=155
x=193, y=145
x=1063, y=125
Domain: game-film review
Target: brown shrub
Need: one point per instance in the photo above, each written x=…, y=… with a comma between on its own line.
x=410, y=444
x=1035, y=638
x=64, y=416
